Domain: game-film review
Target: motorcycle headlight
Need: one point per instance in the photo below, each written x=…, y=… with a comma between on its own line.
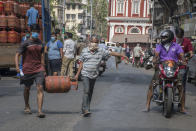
x=169, y=72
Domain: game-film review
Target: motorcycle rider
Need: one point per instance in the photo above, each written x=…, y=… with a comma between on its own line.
x=166, y=50
x=187, y=48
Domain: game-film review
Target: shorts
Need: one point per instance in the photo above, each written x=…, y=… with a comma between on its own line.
x=55, y=65
x=118, y=59
x=28, y=79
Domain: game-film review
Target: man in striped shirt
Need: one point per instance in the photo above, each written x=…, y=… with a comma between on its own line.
x=89, y=63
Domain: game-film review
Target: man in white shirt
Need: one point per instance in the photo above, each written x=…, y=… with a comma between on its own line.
x=69, y=51
x=137, y=54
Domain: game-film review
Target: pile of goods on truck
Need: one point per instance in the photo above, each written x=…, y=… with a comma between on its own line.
x=13, y=19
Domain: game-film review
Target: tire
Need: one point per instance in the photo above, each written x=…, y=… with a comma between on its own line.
x=189, y=80
x=167, y=106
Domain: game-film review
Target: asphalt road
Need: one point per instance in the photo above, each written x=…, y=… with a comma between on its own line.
x=117, y=104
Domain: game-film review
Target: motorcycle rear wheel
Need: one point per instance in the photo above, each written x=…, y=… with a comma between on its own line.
x=167, y=106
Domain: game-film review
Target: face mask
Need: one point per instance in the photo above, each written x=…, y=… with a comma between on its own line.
x=35, y=35
x=27, y=35
x=53, y=38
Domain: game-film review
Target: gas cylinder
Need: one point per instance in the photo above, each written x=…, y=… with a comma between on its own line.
x=16, y=8
x=12, y=22
x=9, y=6
x=12, y=36
x=26, y=7
x=22, y=24
x=1, y=7
x=3, y=21
x=57, y=84
x=3, y=36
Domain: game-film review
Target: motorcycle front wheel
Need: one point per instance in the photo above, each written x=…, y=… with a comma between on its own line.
x=167, y=106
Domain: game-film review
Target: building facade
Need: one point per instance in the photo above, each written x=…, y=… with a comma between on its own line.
x=75, y=15
x=129, y=21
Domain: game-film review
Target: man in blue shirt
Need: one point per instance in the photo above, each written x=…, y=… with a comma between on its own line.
x=32, y=15
x=54, y=48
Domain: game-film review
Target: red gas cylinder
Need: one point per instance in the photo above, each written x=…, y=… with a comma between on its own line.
x=3, y=36
x=3, y=21
x=12, y=21
x=12, y=36
x=57, y=84
x=9, y=6
x=22, y=24
x=16, y=8
x=1, y=7
x=22, y=9
x=26, y=7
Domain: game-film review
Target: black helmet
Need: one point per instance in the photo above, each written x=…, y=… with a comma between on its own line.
x=166, y=36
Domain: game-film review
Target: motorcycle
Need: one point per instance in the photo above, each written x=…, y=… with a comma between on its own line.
x=149, y=63
x=169, y=90
x=102, y=67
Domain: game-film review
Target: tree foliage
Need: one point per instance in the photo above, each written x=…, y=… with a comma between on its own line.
x=100, y=12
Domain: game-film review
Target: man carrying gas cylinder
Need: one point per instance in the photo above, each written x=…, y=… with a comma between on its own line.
x=90, y=59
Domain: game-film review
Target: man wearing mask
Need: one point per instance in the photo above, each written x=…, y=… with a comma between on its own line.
x=163, y=53
x=69, y=51
x=89, y=63
x=187, y=48
x=33, y=69
x=54, y=48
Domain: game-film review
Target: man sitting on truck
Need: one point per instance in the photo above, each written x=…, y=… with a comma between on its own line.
x=33, y=69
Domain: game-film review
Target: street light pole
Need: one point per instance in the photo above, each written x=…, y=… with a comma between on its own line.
x=64, y=2
x=91, y=18
x=152, y=33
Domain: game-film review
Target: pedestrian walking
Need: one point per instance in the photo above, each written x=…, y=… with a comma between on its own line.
x=33, y=69
x=90, y=60
x=32, y=17
x=137, y=51
x=118, y=49
x=127, y=53
x=54, y=48
x=69, y=51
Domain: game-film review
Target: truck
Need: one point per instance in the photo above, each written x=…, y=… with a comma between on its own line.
x=8, y=51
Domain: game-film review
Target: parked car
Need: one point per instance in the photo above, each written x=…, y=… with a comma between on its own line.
x=192, y=69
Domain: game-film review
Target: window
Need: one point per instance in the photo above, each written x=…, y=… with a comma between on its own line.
x=73, y=16
x=73, y=7
x=149, y=6
x=136, y=6
x=120, y=6
x=68, y=6
x=119, y=29
x=68, y=16
x=79, y=7
x=134, y=30
x=149, y=31
x=80, y=15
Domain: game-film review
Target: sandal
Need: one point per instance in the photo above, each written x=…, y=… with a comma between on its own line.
x=27, y=110
x=41, y=115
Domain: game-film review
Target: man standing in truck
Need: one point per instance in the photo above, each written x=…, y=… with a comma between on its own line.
x=32, y=17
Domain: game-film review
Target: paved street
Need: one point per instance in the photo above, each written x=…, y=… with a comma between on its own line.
x=117, y=104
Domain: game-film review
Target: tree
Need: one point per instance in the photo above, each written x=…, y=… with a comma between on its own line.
x=100, y=12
